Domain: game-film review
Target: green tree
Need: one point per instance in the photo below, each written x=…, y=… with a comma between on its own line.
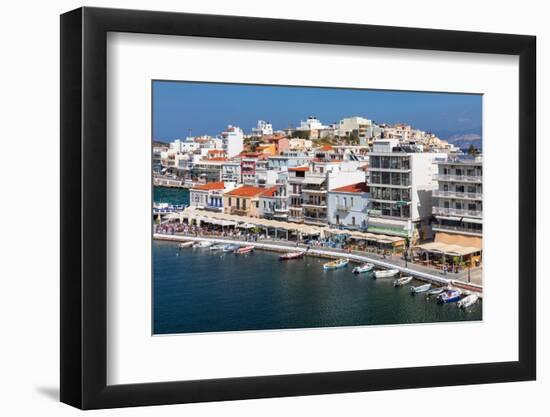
x=472, y=150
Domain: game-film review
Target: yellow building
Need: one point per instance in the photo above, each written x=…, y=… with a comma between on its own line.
x=243, y=201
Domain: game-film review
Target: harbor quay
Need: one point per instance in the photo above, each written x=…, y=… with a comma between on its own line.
x=410, y=269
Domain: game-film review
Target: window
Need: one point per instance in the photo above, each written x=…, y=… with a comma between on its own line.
x=353, y=221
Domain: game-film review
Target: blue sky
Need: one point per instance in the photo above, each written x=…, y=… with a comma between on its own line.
x=181, y=109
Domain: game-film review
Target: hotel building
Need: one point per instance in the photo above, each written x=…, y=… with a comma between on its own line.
x=243, y=201
x=209, y=196
x=458, y=210
x=401, y=183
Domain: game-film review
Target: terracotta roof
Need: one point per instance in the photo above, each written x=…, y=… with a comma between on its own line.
x=215, y=151
x=246, y=191
x=217, y=159
x=270, y=192
x=360, y=187
x=304, y=169
x=218, y=185
x=326, y=148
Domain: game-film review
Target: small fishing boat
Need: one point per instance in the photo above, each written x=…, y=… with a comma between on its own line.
x=436, y=291
x=363, y=268
x=421, y=288
x=219, y=246
x=448, y=296
x=468, y=301
x=204, y=244
x=185, y=245
x=389, y=273
x=399, y=282
x=339, y=263
x=291, y=255
x=243, y=250
x=230, y=248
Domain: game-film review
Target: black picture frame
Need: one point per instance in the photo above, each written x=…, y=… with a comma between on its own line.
x=84, y=207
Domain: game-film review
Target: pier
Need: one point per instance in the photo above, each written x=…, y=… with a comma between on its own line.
x=411, y=269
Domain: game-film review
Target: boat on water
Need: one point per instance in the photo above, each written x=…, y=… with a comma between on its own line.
x=436, y=291
x=243, y=250
x=291, y=255
x=363, y=268
x=230, y=248
x=204, y=244
x=219, y=246
x=448, y=296
x=468, y=301
x=388, y=273
x=185, y=244
x=339, y=263
x=399, y=282
x=421, y=288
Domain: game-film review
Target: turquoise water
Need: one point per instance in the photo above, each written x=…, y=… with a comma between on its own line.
x=196, y=290
x=171, y=195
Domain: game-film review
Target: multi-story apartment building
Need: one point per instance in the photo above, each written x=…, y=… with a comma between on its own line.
x=348, y=206
x=262, y=128
x=459, y=202
x=232, y=141
x=401, y=181
x=274, y=203
x=308, y=187
x=231, y=171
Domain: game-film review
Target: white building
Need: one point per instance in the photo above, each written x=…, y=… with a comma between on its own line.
x=210, y=195
x=364, y=129
x=348, y=206
x=232, y=141
x=263, y=128
x=273, y=203
x=401, y=183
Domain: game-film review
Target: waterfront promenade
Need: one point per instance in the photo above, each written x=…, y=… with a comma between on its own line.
x=418, y=271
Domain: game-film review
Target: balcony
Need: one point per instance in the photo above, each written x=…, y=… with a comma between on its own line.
x=280, y=209
x=476, y=179
x=456, y=229
x=396, y=169
x=314, y=205
x=457, y=194
x=456, y=212
x=238, y=211
x=315, y=220
x=313, y=191
x=389, y=185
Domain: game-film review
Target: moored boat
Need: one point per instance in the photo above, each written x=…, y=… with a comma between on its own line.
x=468, y=301
x=185, y=244
x=204, y=244
x=230, y=248
x=421, y=288
x=363, y=268
x=389, y=273
x=436, y=291
x=339, y=263
x=243, y=250
x=448, y=296
x=219, y=246
x=291, y=255
x=399, y=282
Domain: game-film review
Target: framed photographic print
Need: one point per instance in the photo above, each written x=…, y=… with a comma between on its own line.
x=257, y=208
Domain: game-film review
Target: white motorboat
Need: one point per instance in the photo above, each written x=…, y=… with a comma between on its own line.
x=468, y=301
x=219, y=246
x=185, y=245
x=399, y=282
x=363, y=268
x=421, y=288
x=388, y=273
x=436, y=291
x=204, y=244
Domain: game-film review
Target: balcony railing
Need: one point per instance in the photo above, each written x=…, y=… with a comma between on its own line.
x=311, y=204
x=239, y=211
x=457, y=194
x=458, y=229
x=460, y=178
x=313, y=191
x=381, y=184
x=456, y=212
